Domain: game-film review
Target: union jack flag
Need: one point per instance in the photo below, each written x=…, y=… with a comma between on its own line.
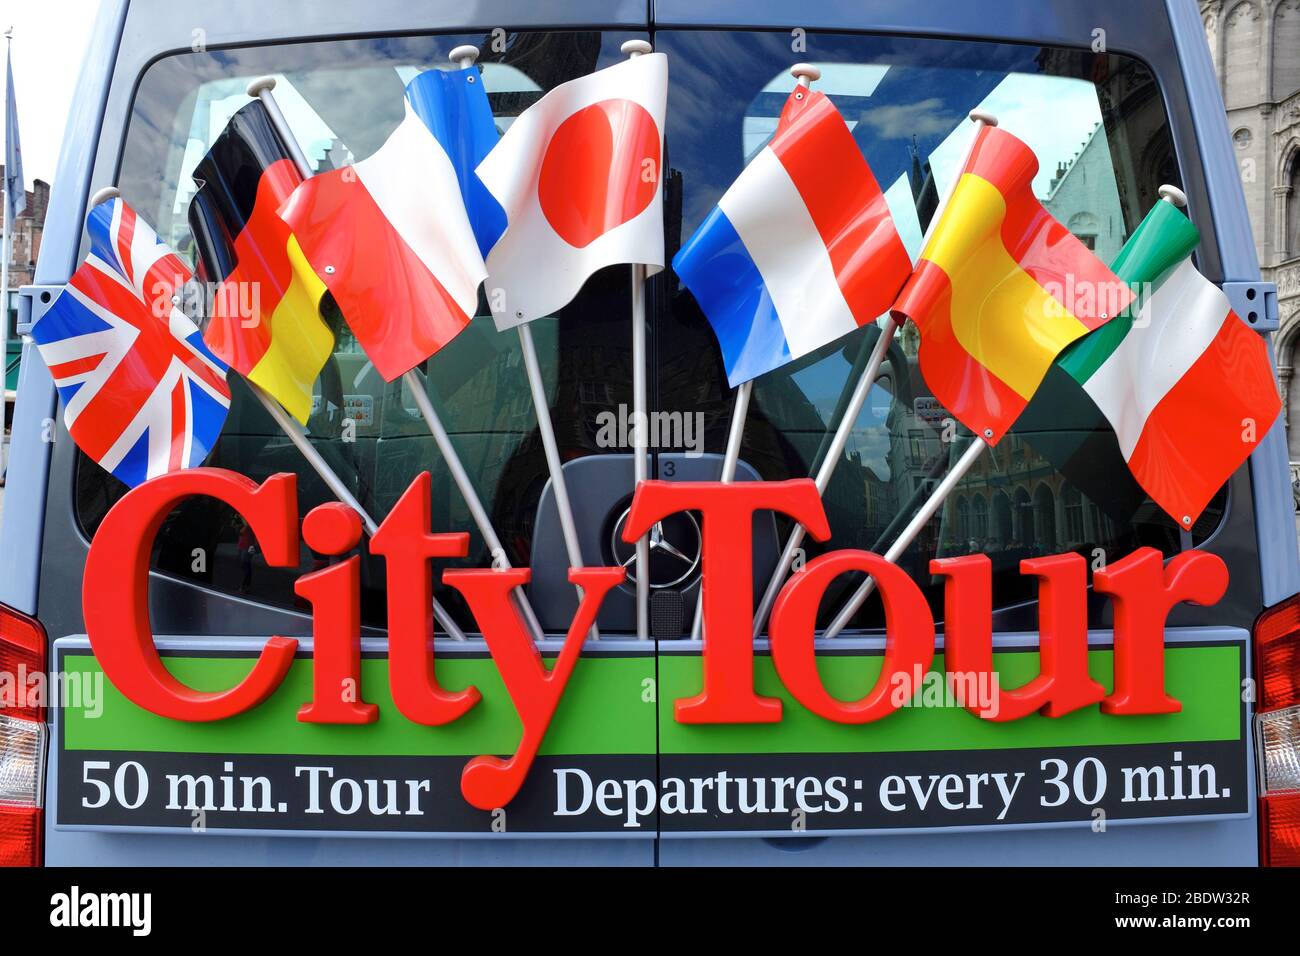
x=142, y=394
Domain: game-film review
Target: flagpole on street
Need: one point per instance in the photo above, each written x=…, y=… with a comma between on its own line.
x=928, y=511
x=7, y=234
x=932, y=505
x=827, y=468
x=640, y=410
x=260, y=89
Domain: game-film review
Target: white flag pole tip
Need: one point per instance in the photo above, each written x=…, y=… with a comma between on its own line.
x=104, y=195
x=464, y=56
x=1174, y=195
x=984, y=117
x=262, y=83
x=637, y=47
x=805, y=73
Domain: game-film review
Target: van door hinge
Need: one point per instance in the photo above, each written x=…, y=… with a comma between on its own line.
x=1255, y=302
x=33, y=302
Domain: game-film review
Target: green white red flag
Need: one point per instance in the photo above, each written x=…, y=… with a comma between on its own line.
x=1186, y=385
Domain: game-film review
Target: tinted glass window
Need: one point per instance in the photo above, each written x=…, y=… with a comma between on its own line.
x=342, y=99
x=1055, y=483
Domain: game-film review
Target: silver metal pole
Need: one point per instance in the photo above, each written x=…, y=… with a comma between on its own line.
x=261, y=89
x=9, y=211
x=827, y=469
x=919, y=520
x=640, y=408
x=553, y=463
x=641, y=445
x=4, y=269
x=729, y=462
x=979, y=118
x=416, y=383
x=294, y=431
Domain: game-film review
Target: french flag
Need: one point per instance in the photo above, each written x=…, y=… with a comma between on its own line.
x=390, y=236
x=800, y=250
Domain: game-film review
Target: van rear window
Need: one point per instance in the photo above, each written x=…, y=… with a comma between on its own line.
x=1055, y=483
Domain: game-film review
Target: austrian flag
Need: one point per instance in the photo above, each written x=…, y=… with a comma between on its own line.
x=142, y=394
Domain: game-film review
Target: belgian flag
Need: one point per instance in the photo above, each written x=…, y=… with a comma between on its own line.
x=265, y=321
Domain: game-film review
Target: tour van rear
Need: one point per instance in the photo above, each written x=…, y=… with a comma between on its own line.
x=1117, y=98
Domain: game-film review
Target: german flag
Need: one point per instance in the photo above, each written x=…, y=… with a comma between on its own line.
x=265, y=321
x=1000, y=289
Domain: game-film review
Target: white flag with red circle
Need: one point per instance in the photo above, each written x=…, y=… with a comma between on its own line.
x=579, y=175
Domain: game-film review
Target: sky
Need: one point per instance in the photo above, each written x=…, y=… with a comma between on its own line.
x=50, y=38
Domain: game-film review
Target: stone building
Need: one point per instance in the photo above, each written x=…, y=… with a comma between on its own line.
x=1256, y=50
x=25, y=244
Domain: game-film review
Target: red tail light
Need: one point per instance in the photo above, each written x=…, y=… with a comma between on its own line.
x=1277, y=732
x=22, y=737
x=20, y=836
x=22, y=655
x=1277, y=655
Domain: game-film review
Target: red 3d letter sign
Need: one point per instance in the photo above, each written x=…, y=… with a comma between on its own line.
x=1143, y=589
x=115, y=601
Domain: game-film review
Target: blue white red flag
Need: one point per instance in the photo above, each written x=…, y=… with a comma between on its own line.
x=800, y=250
x=142, y=394
x=453, y=104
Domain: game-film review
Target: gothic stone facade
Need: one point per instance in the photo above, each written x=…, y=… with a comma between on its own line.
x=1256, y=50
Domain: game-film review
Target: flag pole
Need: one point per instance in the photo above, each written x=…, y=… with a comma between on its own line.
x=260, y=89
x=416, y=383
x=7, y=234
x=729, y=462
x=546, y=430
x=928, y=510
x=932, y=505
x=464, y=57
x=640, y=410
x=842, y=402
x=827, y=469
x=296, y=434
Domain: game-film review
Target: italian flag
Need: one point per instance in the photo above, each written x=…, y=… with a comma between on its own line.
x=1186, y=385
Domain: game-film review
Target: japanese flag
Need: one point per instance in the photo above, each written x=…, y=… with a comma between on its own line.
x=579, y=176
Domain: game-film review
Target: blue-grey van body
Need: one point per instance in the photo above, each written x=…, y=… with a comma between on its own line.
x=42, y=549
